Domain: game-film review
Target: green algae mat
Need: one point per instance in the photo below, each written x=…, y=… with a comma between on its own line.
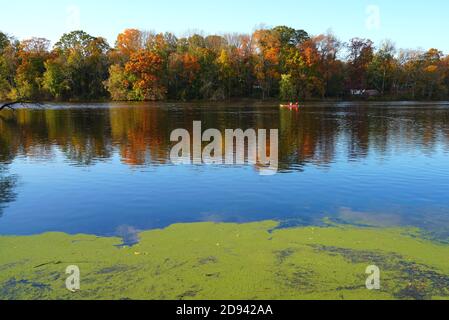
x=228, y=261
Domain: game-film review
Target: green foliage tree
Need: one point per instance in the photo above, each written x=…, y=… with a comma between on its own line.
x=8, y=65
x=78, y=68
x=55, y=80
x=5, y=86
x=4, y=41
x=118, y=84
x=382, y=67
x=287, y=88
x=291, y=37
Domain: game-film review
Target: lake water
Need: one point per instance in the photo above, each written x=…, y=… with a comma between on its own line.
x=104, y=169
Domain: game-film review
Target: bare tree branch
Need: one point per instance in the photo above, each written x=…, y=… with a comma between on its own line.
x=10, y=105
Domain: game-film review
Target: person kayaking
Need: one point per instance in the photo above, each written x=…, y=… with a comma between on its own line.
x=291, y=105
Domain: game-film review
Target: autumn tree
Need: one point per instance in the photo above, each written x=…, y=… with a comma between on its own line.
x=330, y=67
x=422, y=74
x=144, y=72
x=32, y=55
x=129, y=42
x=241, y=51
x=183, y=77
x=433, y=75
x=267, y=60
x=359, y=58
x=141, y=65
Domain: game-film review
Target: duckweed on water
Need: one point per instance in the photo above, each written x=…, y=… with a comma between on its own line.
x=228, y=261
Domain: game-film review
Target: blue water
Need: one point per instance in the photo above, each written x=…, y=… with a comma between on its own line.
x=97, y=169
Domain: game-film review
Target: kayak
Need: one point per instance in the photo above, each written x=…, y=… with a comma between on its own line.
x=294, y=106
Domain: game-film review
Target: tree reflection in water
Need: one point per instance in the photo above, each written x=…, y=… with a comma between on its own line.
x=140, y=134
x=7, y=188
x=378, y=160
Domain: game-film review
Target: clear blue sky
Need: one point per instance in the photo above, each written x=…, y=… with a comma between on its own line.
x=410, y=24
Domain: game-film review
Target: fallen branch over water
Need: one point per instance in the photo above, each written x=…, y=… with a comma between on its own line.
x=10, y=105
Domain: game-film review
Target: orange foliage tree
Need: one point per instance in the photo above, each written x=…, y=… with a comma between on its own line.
x=144, y=71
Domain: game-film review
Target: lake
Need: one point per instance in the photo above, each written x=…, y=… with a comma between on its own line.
x=104, y=169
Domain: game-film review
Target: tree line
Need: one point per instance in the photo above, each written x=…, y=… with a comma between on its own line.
x=280, y=62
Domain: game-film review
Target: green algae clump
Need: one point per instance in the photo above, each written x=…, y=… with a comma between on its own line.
x=228, y=261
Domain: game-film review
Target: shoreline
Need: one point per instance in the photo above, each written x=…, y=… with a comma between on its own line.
x=236, y=100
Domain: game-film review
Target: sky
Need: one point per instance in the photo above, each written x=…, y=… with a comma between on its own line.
x=410, y=24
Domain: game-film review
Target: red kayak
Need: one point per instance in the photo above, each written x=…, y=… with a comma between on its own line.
x=293, y=106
